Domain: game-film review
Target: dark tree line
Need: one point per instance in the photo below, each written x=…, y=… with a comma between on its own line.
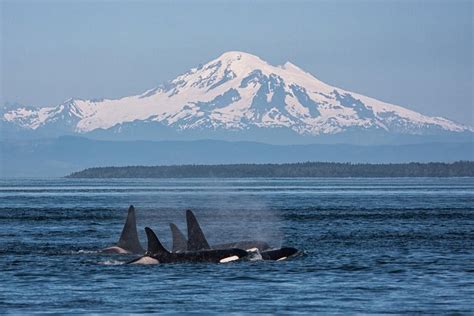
x=289, y=170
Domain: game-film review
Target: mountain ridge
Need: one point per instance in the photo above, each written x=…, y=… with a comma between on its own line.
x=232, y=94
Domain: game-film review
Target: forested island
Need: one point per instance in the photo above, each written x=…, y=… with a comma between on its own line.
x=286, y=170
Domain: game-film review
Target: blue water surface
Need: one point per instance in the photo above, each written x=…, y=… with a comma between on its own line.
x=403, y=245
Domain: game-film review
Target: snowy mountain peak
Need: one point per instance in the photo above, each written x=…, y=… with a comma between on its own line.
x=236, y=92
x=235, y=56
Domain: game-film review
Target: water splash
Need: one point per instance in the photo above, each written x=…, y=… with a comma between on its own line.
x=111, y=263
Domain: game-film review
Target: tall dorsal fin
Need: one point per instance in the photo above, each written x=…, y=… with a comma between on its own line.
x=179, y=241
x=129, y=237
x=154, y=245
x=196, y=238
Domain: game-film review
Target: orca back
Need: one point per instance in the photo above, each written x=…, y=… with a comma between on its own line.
x=211, y=256
x=129, y=236
x=196, y=238
x=155, y=247
x=180, y=243
x=279, y=254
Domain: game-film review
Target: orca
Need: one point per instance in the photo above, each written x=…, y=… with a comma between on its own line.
x=180, y=243
x=157, y=253
x=197, y=240
x=128, y=242
x=279, y=254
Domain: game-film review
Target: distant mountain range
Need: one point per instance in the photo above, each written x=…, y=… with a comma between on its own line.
x=237, y=96
x=234, y=109
x=64, y=155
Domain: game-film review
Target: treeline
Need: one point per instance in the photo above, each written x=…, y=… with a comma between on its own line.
x=287, y=170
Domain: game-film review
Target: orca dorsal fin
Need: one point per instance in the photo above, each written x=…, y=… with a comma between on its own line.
x=129, y=237
x=196, y=238
x=154, y=245
x=179, y=241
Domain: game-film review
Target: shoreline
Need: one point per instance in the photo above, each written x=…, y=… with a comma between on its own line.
x=287, y=170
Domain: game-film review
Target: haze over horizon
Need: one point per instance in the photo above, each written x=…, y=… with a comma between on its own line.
x=398, y=52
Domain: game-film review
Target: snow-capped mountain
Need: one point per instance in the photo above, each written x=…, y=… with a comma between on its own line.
x=236, y=92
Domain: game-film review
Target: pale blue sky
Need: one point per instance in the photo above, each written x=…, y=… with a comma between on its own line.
x=418, y=54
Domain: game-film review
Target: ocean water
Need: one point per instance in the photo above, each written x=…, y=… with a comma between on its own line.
x=368, y=245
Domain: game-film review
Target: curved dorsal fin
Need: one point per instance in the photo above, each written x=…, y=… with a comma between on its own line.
x=179, y=241
x=154, y=245
x=129, y=237
x=196, y=238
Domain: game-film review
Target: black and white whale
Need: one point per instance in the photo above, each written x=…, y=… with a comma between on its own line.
x=157, y=254
x=197, y=241
x=128, y=242
x=279, y=254
x=180, y=243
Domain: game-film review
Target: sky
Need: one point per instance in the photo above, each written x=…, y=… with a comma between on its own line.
x=417, y=54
